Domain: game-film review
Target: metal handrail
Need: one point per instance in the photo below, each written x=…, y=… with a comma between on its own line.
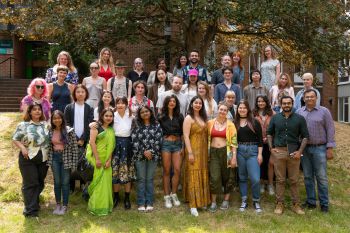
x=9, y=58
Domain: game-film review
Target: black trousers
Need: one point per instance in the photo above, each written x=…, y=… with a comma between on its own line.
x=75, y=174
x=33, y=173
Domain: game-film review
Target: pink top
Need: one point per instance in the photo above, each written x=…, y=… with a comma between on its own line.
x=56, y=141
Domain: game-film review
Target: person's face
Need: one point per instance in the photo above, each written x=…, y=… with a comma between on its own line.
x=310, y=99
x=177, y=84
x=108, y=117
x=162, y=65
x=222, y=111
x=35, y=113
x=57, y=120
x=145, y=114
x=226, y=61
x=197, y=105
x=161, y=76
x=193, y=79
x=268, y=52
x=227, y=75
x=183, y=60
x=106, y=55
x=194, y=57
x=39, y=87
x=283, y=81
x=236, y=58
x=94, y=69
x=61, y=75
x=172, y=103
x=63, y=60
x=242, y=110
x=138, y=64
x=140, y=89
x=230, y=100
x=261, y=103
x=201, y=90
x=107, y=98
x=120, y=70
x=256, y=77
x=80, y=94
x=307, y=82
x=121, y=106
x=287, y=105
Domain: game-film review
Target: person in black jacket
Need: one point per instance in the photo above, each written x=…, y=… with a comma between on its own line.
x=79, y=115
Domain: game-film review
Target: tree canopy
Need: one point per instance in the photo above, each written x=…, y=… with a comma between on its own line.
x=314, y=28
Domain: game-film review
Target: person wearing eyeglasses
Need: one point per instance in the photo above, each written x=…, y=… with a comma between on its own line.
x=138, y=74
x=37, y=93
x=95, y=85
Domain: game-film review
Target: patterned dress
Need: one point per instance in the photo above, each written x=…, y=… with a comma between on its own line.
x=196, y=177
x=268, y=72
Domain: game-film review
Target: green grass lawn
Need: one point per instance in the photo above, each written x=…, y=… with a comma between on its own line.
x=175, y=219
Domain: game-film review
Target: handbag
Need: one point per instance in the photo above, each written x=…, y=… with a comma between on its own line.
x=84, y=168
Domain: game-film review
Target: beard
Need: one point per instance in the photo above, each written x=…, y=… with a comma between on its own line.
x=194, y=60
x=288, y=109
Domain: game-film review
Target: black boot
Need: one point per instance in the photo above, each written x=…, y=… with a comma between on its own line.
x=127, y=204
x=115, y=199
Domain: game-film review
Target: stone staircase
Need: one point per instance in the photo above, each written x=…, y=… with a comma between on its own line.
x=11, y=93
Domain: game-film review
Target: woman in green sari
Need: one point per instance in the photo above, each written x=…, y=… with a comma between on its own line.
x=99, y=154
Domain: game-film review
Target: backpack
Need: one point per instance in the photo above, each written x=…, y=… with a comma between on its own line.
x=126, y=82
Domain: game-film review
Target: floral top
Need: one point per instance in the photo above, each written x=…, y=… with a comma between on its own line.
x=28, y=100
x=268, y=72
x=51, y=76
x=70, y=153
x=34, y=136
x=135, y=105
x=147, y=137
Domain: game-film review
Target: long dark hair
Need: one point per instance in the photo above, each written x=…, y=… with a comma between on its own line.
x=165, y=109
x=64, y=137
x=28, y=117
x=251, y=75
x=123, y=100
x=101, y=105
x=100, y=117
x=167, y=84
x=267, y=111
x=250, y=118
x=178, y=64
x=202, y=112
x=139, y=120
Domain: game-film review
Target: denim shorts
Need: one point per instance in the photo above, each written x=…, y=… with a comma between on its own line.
x=171, y=146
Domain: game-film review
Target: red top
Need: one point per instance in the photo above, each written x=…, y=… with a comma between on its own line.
x=106, y=74
x=218, y=134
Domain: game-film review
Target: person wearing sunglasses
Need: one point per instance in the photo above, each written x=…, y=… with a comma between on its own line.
x=138, y=74
x=95, y=85
x=37, y=93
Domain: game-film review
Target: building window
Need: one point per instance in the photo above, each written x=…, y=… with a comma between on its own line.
x=343, y=110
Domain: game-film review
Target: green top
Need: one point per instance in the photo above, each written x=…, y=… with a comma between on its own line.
x=287, y=130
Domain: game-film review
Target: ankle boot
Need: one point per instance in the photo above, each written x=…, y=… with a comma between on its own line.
x=115, y=199
x=127, y=204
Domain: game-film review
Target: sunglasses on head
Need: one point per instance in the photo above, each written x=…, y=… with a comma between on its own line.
x=39, y=87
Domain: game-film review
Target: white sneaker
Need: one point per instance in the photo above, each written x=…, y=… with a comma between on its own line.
x=262, y=188
x=194, y=212
x=57, y=210
x=271, y=190
x=63, y=210
x=175, y=199
x=167, y=200
x=141, y=209
x=149, y=208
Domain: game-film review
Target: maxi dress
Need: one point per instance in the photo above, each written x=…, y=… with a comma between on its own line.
x=100, y=188
x=196, y=176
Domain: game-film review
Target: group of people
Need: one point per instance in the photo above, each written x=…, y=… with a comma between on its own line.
x=209, y=133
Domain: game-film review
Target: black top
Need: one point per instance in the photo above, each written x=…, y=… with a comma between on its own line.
x=287, y=130
x=171, y=126
x=245, y=134
x=133, y=76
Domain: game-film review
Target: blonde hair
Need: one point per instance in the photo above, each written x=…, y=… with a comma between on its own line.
x=289, y=81
x=110, y=61
x=273, y=55
x=208, y=96
x=70, y=64
x=230, y=93
x=308, y=75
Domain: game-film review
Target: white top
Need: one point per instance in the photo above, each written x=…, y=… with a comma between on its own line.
x=214, y=111
x=189, y=92
x=152, y=77
x=182, y=99
x=96, y=114
x=78, y=119
x=274, y=91
x=122, y=125
x=161, y=89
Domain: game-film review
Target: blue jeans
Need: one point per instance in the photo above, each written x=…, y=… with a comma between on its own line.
x=314, y=164
x=248, y=166
x=61, y=178
x=145, y=170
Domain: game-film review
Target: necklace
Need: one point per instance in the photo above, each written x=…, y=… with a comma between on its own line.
x=242, y=123
x=220, y=125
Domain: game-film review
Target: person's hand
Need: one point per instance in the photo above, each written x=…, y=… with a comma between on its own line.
x=80, y=142
x=296, y=154
x=25, y=152
x=147, y=154
x=108, y=164
x=98, y=163
x=93, y=125
x=191, y=158
x=260, y=159
x=274, y=150
x=233, y=162
x=329, y=154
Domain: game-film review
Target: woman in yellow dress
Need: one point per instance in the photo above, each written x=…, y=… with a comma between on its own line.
x=196, y=179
